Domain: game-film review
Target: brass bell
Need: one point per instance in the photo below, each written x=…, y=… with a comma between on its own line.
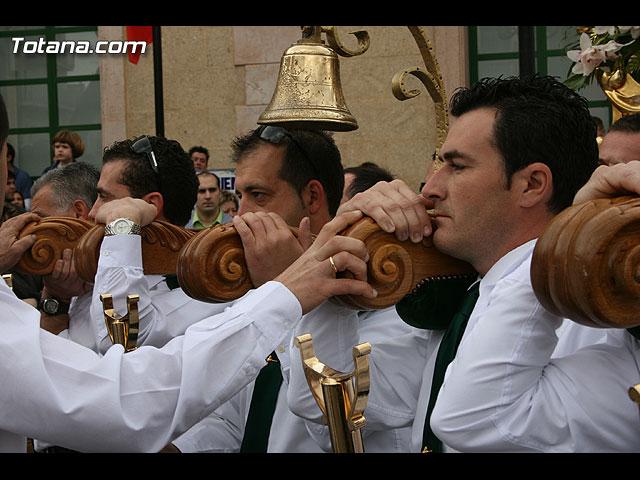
x=308, y=93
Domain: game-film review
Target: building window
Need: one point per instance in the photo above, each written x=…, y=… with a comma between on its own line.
x=493, y=51
x=49, y=92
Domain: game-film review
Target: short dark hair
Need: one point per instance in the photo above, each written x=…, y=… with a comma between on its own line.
x=176, y=181
x=76, y=181
x=199, y=149
x=296, y=169
x=627, y=123
x=538, y=119
x=210, y=173
x=366, y=175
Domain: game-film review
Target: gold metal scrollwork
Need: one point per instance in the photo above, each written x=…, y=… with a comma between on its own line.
x=341, y=397
x=123, y=329
x=333, y=39
x=432, y=80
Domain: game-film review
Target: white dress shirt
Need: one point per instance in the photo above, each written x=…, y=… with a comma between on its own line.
x=68, y=395
x=163, y=313
x=401, y=369
x=289, y=433
x=507, y=391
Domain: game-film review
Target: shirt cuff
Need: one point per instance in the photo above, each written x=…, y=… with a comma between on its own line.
x=121, y=251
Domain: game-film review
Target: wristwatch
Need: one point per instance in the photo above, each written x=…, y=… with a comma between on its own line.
x=122, y=226
x=52, y=306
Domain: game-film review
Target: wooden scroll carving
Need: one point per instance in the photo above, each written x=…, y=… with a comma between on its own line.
x=210, y=264
x=586, y=265
x=161, y=246
x=53, y=236
x=162, y=243
x=395, y=267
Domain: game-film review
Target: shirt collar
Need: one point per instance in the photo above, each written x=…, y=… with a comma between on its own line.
x=508, y=262
x=196, y=219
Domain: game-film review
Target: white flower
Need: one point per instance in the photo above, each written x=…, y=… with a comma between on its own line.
x=602, y=30
x=590, y=56
x=635, y=31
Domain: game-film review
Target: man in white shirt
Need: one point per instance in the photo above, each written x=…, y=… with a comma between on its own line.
x=516, y=154
x=295, y=177
x=66, y=394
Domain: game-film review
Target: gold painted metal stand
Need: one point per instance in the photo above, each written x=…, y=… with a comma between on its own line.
x=123, y=329
x=341, y=397
x=634, y=394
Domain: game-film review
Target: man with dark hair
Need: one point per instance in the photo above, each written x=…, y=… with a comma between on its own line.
x=159, y=172
x=207, y=211
x=307, y=198
x=363, y=177
x=200, y=157
x=65, y=393
x=491, y=377
x=296, y=174
x=622, y=143
x=23, y=180
x=67, y=147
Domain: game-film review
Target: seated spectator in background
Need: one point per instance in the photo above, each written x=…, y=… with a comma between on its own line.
x=361, y=178
x=11, y=190
x=600, y=130
x=23, y=180
x=207, y=212
x=18, y=200
x=229, y=203
x=200, y=157
x=622, y=143
x=67, y=147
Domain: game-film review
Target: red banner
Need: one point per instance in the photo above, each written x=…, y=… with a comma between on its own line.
x=138, y=34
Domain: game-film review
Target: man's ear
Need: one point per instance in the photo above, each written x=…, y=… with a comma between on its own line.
x=156, y=199
x=314, y=196
x=536, y=184
x=80, y=209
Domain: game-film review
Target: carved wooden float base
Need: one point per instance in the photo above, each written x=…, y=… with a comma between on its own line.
x=210, y=264
x=586, y=265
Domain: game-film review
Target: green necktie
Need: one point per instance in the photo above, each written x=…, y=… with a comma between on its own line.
x=446, y=354
x=172, y=281
x=263, y=406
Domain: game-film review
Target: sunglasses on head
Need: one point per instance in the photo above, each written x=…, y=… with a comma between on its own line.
x=143, y=145
x=275, y=135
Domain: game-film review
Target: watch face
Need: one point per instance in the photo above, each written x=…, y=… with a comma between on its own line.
x=50, y=305
x=121, y=226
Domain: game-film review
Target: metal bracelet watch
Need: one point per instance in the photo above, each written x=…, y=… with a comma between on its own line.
x=52, y=306
x=122, y=226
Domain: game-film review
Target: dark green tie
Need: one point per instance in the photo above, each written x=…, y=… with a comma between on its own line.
x=446, y=354
x=172, y=281
x=263, y=406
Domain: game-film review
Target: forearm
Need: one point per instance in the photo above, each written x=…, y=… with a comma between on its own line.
x=63, y=393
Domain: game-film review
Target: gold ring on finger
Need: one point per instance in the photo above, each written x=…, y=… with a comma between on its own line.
x=333, y=264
